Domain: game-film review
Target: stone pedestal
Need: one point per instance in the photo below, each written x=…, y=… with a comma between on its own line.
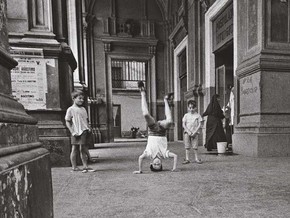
x=41, y=49
x=262, y=125
x=25, y=174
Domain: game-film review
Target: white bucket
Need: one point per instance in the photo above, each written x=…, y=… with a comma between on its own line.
x=221, y=147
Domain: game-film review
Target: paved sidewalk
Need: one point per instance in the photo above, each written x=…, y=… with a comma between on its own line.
x=223, y=186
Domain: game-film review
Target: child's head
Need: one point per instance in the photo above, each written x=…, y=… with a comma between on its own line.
x=191, y=106
x=78, y=97
x=156, y=165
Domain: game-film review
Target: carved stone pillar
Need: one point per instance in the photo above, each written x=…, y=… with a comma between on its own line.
x=25, y=174
x=262, y=125
x=46, y=66
x=59, y=20
x=152, y=79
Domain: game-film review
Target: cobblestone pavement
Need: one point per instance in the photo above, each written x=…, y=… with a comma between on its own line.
x=223, y=186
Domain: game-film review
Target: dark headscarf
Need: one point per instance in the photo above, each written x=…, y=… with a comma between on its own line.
x=214, y=108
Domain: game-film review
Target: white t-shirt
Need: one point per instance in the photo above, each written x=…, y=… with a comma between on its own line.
x=79, y=118
x=156, y=147
x=192, y=121
x=231, y=104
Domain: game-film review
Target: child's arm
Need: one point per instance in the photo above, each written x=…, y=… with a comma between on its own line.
x=69, y=126
x=185, y=127
x=140, y=161
x=174, y=156
x=197, y=130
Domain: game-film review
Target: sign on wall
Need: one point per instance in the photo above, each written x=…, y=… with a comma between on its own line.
x=249, y=92
x=29, y=81
x=223, y=28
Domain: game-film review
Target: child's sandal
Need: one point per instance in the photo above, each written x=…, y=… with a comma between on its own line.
x=85, y=170
x=170, y=95
x=75, y=169
x=141, y=86
x=198, y=161
x=186, y=162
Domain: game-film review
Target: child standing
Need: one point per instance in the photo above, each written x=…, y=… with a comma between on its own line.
x=156, y=148
x=191, y=123
x=77, y=122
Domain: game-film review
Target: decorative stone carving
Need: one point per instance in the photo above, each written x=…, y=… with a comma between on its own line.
x=107, y=46
x=152, y=49
x=200, y=90
x=3, y=29
x=195, y=90
x=204, y=5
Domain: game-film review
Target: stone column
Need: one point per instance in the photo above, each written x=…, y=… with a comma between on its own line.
x=153, y=95
x=46, y=66
x=25, y=174
x=262, y=125
x=80, y=41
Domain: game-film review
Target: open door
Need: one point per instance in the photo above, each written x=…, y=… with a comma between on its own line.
x=117, y=120
x=223, y=83
x=183, y=89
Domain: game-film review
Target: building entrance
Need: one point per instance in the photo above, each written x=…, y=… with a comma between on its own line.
x=183, y=88
x=224, y=75
x=224, y=82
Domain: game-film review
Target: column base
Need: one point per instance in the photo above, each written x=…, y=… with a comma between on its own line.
x=261, y=145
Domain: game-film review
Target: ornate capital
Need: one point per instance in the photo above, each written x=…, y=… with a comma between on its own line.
x=152, y=49
x=204, y=5
x=107, y=46
x=200, y=90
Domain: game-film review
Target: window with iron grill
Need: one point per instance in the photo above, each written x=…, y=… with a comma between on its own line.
x=126, y=73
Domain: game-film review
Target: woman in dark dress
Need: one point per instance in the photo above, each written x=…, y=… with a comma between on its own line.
x=214, y=127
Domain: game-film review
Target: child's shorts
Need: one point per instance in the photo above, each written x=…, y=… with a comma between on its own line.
x=190, y=142
x=80, y=140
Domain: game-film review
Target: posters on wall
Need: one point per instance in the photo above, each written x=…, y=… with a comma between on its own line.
x=29, y=80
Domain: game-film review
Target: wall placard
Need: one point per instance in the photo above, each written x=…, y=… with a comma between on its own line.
x=29, y=81
x=223, y=28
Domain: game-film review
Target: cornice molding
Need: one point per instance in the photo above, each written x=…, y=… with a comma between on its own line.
x=6, y=60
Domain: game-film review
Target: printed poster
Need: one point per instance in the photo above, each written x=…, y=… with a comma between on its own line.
x=29, y=82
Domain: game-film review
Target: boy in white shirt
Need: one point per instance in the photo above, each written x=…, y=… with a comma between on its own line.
x=77, y=122
x=191, y=123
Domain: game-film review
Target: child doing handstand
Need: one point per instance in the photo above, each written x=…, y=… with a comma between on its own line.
x=191, y=123
x=156, y=148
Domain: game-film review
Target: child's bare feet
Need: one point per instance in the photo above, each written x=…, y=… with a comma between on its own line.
x=169, y=97
x=75, y=169
x=198, y=161
x=175, y=170
x=88, y=169
x=141, y=86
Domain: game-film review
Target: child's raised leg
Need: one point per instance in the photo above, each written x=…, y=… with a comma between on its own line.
x=144, y=107
x=168, y=116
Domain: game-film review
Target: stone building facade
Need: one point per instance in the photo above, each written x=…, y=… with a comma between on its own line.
x=196, y=49
x=25, y=174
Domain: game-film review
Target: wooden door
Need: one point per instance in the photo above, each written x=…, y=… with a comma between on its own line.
x=183, y=89
x=117, y=120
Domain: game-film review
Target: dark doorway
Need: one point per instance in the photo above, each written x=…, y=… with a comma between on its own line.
x=224, y=73
x=183, y=88
x=224, y=81
x=117, y=120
